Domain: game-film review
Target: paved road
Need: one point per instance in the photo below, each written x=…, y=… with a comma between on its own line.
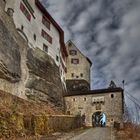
x=94, y=134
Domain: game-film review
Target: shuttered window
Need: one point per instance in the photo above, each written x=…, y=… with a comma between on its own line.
x=46, y=22
x=46, y=36
x=25, y=11
x=74, y=61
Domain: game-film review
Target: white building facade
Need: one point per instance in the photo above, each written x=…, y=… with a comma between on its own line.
x=78, y=65
x=39, y=29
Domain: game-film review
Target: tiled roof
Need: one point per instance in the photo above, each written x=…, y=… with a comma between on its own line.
x=97, y=91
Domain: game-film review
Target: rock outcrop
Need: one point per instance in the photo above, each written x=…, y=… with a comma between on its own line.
x=26, y=72
x=9, y=56
x=44, y=81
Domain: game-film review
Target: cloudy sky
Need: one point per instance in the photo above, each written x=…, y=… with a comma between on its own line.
x=108, y=32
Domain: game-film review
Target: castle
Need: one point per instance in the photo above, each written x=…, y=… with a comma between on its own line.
x=40, y=30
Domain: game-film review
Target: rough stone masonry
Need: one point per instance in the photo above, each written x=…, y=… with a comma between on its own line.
x=26, y=72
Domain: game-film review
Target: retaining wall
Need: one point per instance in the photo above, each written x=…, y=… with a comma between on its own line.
x=18, y=124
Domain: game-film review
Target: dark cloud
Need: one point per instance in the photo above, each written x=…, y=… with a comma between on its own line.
x=108, y=32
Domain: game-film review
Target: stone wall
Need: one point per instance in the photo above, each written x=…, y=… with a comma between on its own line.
x=18, y=125
x=84, y=104
x=49, y=124
x=44, y=81
x=77, y=85
x=26, y=72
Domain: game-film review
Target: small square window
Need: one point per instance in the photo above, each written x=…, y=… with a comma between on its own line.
x=74, y=61
x=81, y=74
x=98, y=106
x=68, y=112
x=45, y=48
x=73, y=52
x=72, y=75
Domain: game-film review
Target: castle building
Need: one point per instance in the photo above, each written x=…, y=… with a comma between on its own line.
x=94, y=103
x=78, y=69
x=39, y=29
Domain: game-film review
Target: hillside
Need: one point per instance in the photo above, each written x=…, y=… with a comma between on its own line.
x=13, y=104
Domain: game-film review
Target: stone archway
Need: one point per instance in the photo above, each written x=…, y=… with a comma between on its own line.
x=98, y=119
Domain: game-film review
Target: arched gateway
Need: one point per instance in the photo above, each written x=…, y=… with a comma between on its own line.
x=98, y=119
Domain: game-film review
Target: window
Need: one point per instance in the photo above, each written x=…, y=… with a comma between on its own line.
x=77, y=76
x=72, y=75
x=98, y=106
x=74, y=99
x=68, y=112
x=81, y=74
x=70, y=44
x=65, y=70
x=45, y=48
x=28, y=6
x=85, y=99
x=112, y=95
x=35, y=37
x=73, y=52
x=46, y=22
x=46, y=36
x=57, y=58
x=102, y=102
x=25, y=11
x=22, y=27
x=74, y=61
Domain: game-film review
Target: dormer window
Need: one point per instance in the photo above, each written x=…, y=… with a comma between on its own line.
x=46, y=22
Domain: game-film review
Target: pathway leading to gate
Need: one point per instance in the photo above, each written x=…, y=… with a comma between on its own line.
x=95, y=134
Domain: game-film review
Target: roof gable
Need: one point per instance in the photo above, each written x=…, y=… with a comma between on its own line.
x=78, y=51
